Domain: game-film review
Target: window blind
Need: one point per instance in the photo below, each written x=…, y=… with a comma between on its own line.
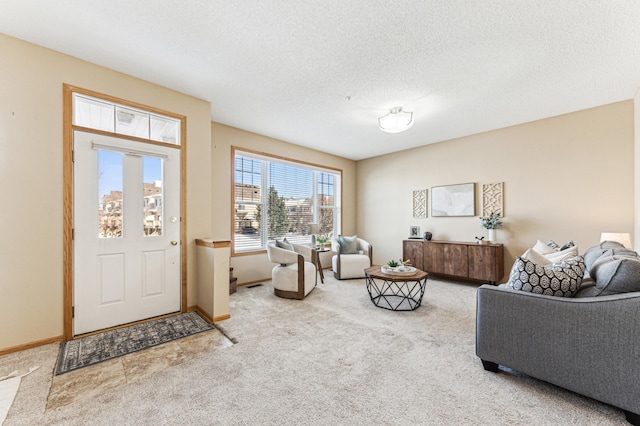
x=277, y=199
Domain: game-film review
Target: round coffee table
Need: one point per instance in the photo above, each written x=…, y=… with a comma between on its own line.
x=395, y=292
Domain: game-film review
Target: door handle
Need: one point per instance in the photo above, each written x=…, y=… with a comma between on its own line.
x=174, y=243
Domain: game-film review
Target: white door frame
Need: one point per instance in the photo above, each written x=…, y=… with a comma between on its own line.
x=68, y=129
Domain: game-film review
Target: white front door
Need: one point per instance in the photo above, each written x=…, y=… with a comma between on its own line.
x=126, y=198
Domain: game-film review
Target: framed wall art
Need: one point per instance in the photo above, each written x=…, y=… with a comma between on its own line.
x=453, y=200
x=492, y=199
x=419, y=203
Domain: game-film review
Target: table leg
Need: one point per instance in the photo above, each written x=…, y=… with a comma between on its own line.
x=319, y=266
x=396, y=295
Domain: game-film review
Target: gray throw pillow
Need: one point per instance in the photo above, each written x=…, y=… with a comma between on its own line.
x=284, y=244
x=593, y=253
x=348, y=245
x=559, y=279
x=608, y=255
x=616, y=274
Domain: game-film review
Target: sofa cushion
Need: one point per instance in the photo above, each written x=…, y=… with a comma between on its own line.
x=594, y=252
x=351, y=266
x=587, y=291
x=348, y=245
x=587, y=283
x=616, y=273
x=558, y=279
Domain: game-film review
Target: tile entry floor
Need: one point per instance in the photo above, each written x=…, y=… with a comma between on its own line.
x=93, y=380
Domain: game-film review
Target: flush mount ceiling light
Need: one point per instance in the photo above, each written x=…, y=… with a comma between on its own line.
x=396, y=121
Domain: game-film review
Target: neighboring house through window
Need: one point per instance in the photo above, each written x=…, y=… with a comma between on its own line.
x=277, y=198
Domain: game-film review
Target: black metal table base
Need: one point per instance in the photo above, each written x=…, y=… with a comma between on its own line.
x=396, y=295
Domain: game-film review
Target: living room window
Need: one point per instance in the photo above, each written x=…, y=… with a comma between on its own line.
x=277, y=198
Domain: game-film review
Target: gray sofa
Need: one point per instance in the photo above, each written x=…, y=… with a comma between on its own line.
x=589, y=344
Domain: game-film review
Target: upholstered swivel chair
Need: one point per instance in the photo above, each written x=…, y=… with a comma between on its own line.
x=352, y=257
x=293, y=277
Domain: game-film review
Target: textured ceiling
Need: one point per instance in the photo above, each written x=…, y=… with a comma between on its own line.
x=319, y=73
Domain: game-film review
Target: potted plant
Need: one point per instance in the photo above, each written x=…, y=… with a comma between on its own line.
x=322, y=241
x=491, y=223
x=397, y=265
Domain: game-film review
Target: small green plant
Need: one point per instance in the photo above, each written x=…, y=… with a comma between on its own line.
x=393, y=263
x=322, y=240
x=491, y=222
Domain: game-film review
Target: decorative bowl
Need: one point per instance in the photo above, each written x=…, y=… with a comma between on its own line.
x=398, y=270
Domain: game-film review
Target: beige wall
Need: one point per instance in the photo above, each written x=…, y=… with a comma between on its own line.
x=257, y=267
x=565, y=178
x=31, y=176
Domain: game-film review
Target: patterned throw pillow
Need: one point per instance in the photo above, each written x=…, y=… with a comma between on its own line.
x=559, y=279
x=556, y=247
x=567, y=245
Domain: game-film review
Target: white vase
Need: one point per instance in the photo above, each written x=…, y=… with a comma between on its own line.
x=492, y=235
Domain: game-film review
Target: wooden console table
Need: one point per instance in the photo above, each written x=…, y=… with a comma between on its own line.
x=472, y=261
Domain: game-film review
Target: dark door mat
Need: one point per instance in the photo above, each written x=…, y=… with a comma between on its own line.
x=111, y=344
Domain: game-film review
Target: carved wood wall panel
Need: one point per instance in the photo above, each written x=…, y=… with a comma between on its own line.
x=492, y=199
x=420, y=203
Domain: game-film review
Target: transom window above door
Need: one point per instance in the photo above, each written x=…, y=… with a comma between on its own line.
x=99, y=114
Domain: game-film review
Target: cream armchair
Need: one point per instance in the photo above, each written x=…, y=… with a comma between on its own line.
x=294, y=276
x=352, y=265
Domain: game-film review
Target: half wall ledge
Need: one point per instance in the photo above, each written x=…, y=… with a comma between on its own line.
x=213, y=278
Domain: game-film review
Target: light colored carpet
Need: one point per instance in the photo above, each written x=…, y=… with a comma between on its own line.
x=333, y=358
x=9, y=386
x=8, y=390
